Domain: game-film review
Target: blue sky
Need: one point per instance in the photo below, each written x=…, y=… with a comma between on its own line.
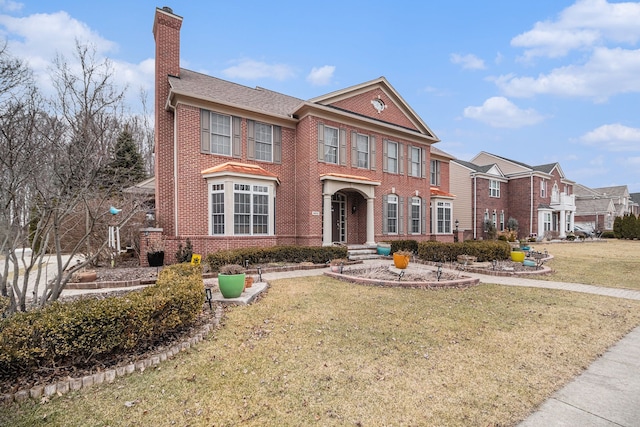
x=537, y=81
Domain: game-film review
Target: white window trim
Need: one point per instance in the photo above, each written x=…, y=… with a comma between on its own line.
x=435, y=172
x=446, y=205
x=393, y=199
x=337, y=146
x=229, y=182
x=256, y=142
x=494, y=188
x=416, y=201
x=416, y=160
x=230, y=136
x=358, y=151
x=396, y=158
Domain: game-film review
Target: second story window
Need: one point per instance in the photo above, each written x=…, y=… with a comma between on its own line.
x=264, y=142
x=392, y=157
x=494, y=188
x=331, y=151
x=415, y=161
x=543, y=188
x=362, y=148
x=435, y=172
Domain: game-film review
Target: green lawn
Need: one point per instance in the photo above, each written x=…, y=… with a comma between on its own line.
x=315, y=351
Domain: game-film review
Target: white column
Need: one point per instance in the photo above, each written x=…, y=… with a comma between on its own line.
x=371, y=236
x=563, y=223
x=326, y=220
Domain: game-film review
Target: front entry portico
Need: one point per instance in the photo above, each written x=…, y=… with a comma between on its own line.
x=332, y=221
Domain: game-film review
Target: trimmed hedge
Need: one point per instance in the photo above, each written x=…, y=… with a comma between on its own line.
x=81, y=332
x=404, y=245
x=484, y=250
x=274, y=254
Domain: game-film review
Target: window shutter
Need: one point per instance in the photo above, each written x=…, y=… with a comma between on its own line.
x=320, y=142
x=400, y=215
x=205, y=134
x=354, y=150
x=236, y=142
x=424, y=162
x=424, y=216
x=385, y=215
x=251, y=140
x=401, y=159
x=343, y=147
x=277, y=144
x=372, y=151
x=409, y=160
x=385, y=155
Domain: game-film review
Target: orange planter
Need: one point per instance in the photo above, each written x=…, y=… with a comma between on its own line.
x=400, y=261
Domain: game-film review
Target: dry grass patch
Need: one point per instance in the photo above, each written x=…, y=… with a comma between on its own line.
x=315, y=351
x=610, y=263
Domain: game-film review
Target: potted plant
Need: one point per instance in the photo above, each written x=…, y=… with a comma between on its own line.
x=401, y=259
x=155, y=253
x=231, y=278
x=384, y=248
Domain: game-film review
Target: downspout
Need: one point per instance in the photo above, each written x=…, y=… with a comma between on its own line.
x=475, y=207
x=531, y=208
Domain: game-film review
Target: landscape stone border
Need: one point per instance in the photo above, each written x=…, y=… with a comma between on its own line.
x=39, y=392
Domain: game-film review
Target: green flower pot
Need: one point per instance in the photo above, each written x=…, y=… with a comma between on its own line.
x=231, y=285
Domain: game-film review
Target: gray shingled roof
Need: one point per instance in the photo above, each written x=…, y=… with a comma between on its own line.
x=618, y=190
x=473, y=166
x=545, y=168
x=203, y=86
x=586, y=206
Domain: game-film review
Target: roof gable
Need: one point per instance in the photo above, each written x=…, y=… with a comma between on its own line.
x=507, y=166
x=377, y=100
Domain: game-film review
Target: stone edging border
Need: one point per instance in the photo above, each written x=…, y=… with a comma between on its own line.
x=464, y=282
x=73, y=384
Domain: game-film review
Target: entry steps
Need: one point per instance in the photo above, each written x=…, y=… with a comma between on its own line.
x=362, y=252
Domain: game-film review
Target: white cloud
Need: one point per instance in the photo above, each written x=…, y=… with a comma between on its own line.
x=10, y=6
x=608, y=72
x=584, y=24
x=251, y=70
x=468, y=62
x=501, y=113
x=613, y=137
x=321, y=76
x=38, y=38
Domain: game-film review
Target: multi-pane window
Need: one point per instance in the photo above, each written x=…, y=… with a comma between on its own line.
x=362, y=147
x=494, y=188
x=392, y=214
x=443, y=215
x=264, y=142
x=416, y=210
x=392, y=157
x=547, y=221
x=543, y=188
x=416, y=161
x=331, y=151
x=494, y=220
x=435, y=172
x=501, y=220
x=217, y=209
x=220, y=134
x=250, y=209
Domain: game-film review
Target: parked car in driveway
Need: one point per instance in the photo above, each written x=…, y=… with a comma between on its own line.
x=583, y=232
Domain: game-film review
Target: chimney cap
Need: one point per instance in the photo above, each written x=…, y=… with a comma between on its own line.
x=167, y=9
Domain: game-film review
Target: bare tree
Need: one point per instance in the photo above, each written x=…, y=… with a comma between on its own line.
x=54, y=199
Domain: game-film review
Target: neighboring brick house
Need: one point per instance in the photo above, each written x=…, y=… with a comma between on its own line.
x=494, y=188
x=238, y=166
x=597, y=208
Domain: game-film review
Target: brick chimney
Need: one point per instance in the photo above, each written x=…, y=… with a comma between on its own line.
x=166, y=32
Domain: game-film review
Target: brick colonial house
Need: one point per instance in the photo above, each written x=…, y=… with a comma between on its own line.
x=493, y=188
x=239, y=166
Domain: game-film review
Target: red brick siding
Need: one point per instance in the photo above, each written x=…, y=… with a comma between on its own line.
x=361, y=104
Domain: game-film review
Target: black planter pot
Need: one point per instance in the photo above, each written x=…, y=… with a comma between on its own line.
x=155, y=259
